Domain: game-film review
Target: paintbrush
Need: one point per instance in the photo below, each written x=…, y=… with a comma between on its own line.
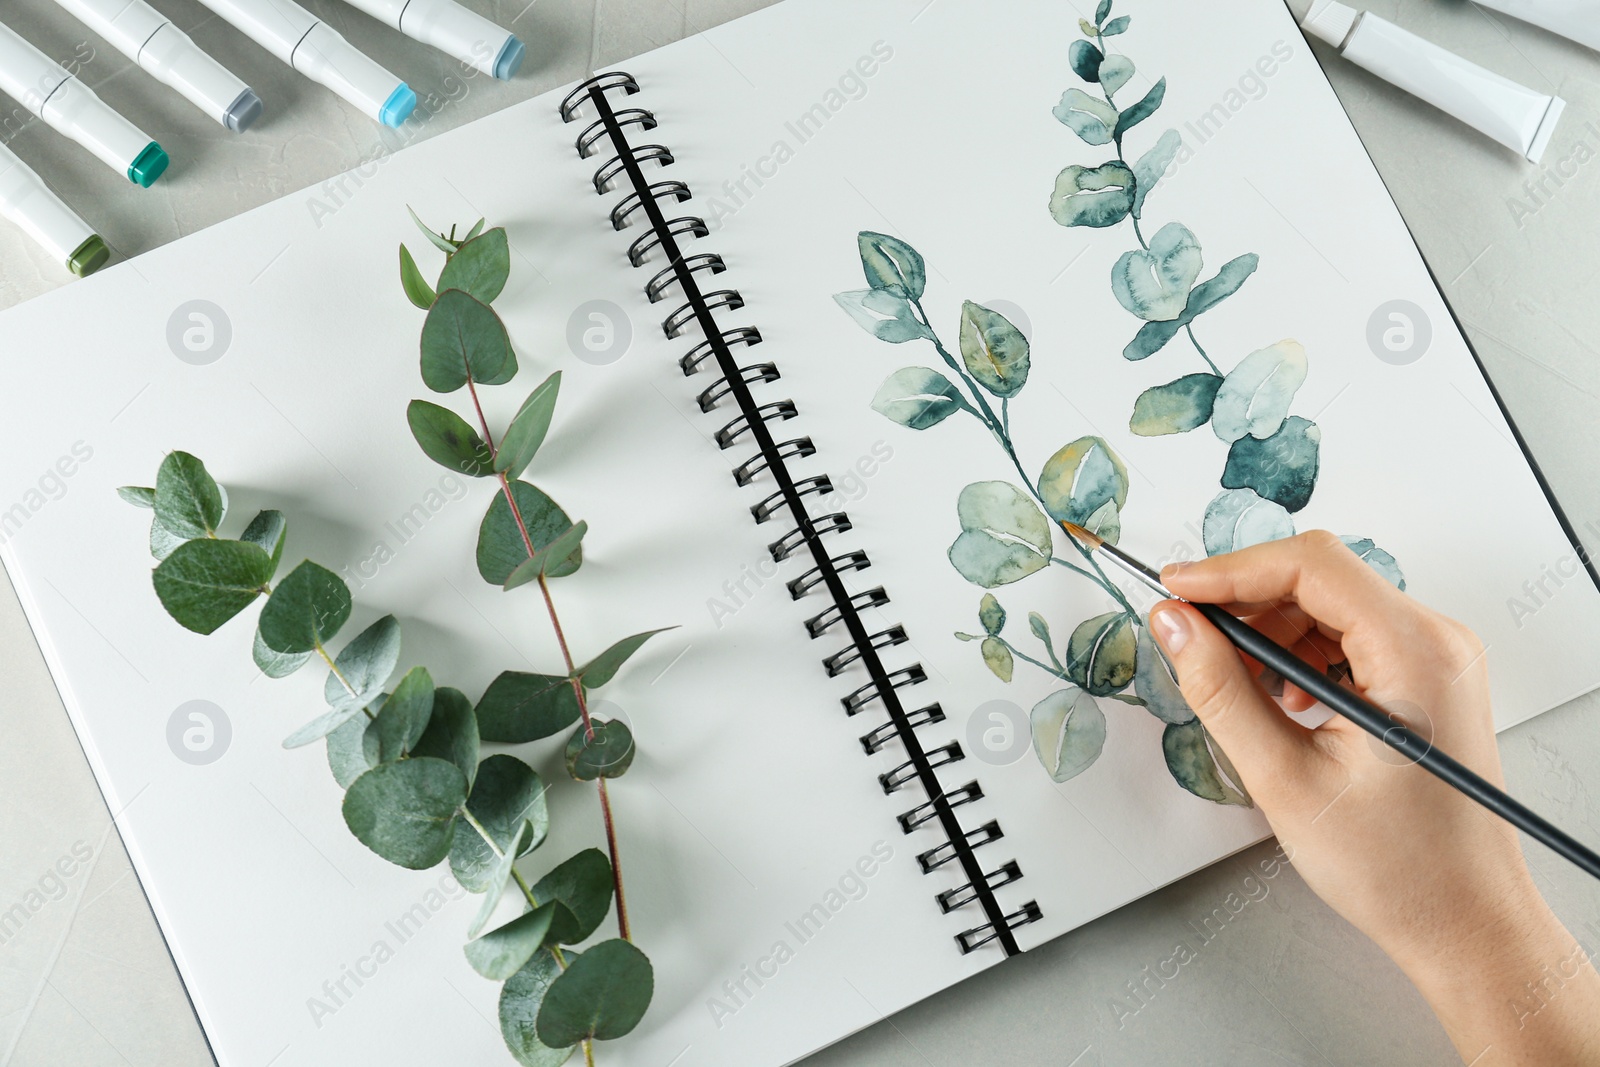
x=1359, y=710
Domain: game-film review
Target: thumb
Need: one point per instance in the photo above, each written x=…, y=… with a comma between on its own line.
x=1263, y=743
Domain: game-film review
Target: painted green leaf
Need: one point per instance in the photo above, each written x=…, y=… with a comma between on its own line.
x=1176, y=407
x=403, y=717
x=188, y=501
x=305, y=610
x=1239, y=518
x=1087, y=28
x=1079, y=479
x=276, y=664
x=504, y=951
x=1152, y=165
x=1377, y=559
x=520, y=1000
x=206, y=582
x=1105, y=523
x=1041, y=630
x=1152, y=336
x=918, y=397
x=1255, y=396
x=495, y=881
x=364, y=664
x=608, y=754
x=991, y=615
x=520, y=707
x=1102, y=11
x=351, y=753
x=507, y=796
x=452, y=733
x=1097, y=197
x=1281, y=468
x=1156, y=684
x=437, y=239
x=601, y=995
x=417, y=289
x=1101, y=654
x=1091, y=119
x=604, y=667
x=1147, y=105
x=1115, y=71
x=446, y=439
x=1198, y=764
x=501, y=547
x=480, y=266
x=997, y=657
x=891, y=264
x=406, y=811
x=1154, y=284
x=884, y=314
x=549, y=557
x=1116, y=26
x=994, y=351
x=583, y=885
x=1069, y=732
x=1004, y=538
x=463, y=336
x=528, y=428
x=1085, y=58
x=267, y=529
x=138, y=495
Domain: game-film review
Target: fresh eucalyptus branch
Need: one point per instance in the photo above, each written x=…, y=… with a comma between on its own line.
x=408, y=753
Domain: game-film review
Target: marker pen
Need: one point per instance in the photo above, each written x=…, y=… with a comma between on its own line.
x=29, y=203
x=449, y=27
x=45, y=88
x=316, y=50
x=149, y=38
x=1498, y=107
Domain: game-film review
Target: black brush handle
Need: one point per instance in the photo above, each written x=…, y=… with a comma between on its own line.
x=1377, y=722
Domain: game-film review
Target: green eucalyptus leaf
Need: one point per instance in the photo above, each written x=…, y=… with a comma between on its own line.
x=163, y=542
x=276, y=664
x=1092, y=196
x=520, y=1000
x=267, y=529
x=1281, y=468
x=1156, y=683
x=1090, y=118
x=462, y=337
x=479, y=266
x=1154, y=283
x=404, y=715
x=884, y=313
x=549, y=557
x=1254, y=398
x=1198, y=764
x=328, y=723
x=1152, y=336
x=994, y=351
x=991, y=614
x=138, y=495
x=918, y=397
x=507, y=797
x=1115, y=26
x=997, y=657
x=406, y=811
x=1101, y=654
x=608, y=754
x=1004, y=537
x=1176, y=407
x=446, y=439
x=1152, y=165
x=438, y=240
x=583, y=885
x=501, y=548
x=477, y=228
x=417, y=289
x=306, y=609
x=520, y=707
x=205, y=582
x=1115, y=71
x=1147, y=105
x=1080, y=478
x=452, y=733
x=364, y=665
x=503, y=951
x=1069, y=732
x=891, y=264
x=351, y=752
x=1377, y=559
x=601, y=995
x=1239, y=518
x=188, y=500
x=603, y=668
x=528, y=428
x=1085, y=58
x=499, y=874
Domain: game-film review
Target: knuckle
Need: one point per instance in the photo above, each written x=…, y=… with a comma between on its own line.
x=1321, y=541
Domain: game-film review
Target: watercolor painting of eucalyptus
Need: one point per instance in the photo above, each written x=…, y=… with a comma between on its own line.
x=1009, y=531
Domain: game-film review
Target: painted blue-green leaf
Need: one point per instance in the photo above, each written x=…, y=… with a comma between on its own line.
x=364, y=665
x=1041, y=630
x=1080, y=478
x=1254, y=398
x=1198, y=764
x=1101, y=653
x=1153, y=336
x=1102, y=11
x=1105, y=523
x=1281, y=468
x=1147, y=105
x=884, y=314
x=1115, y=71
x=1154, y=284
x=991, y=615
x=1176, y=407
x=997, y=657
x=1091, y=119
x=1004, y=537
x=917, y=398
x=1156, y=684
x=1152, y=165
x=1239, y=518
x=994, y=351
x=1377, y=559
x=1092, y=196
x=1069, y=732
x=1116, y=26
x=889, y=263
x=1085, y=59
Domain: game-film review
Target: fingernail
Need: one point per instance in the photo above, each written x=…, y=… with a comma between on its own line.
x=1171, y=628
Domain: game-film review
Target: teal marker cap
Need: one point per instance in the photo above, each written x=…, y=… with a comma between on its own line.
x=510, y=58
x=150, y=165
x=398, y=107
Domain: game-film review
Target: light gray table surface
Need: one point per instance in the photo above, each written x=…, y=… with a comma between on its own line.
x=1285, y=982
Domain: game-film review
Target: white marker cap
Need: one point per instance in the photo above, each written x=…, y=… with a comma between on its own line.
x=176, y=60
x=28, y=202
x=465, y=34
x=327, y=58
x=1331, y=21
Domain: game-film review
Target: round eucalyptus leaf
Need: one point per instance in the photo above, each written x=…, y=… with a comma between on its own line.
x=206, y=582
x=505, y=950
x=507, y=795
x=1156, y=684
x=891, y=264
x=997, y=657
x=520, y=1000
x=351, y=753
x=1004, y=537
x=991, y=615
x=501, y=547
x=452, y=732
x=276, y=664
x=446, y=439
x=601, y=995
x=1239, y=518
x=608, y=754
x=1101, y=654
x=463, y=337
x=306, y=609
x=406, y=811
x=1198, y=764
x=548, y=557
x=495, y=882
x=1069, y=732
x=188, y=500
x=404, y=715
x=1085, y=59
x=1091, y=119
x=583, y=885
x=1176, y=407
x=520, y=707
x=1281, y=468
x=994, y=351
x=1081, y=478
x=1115, y=71
x=163, y=542
x=1377, y=559
x=1154, y=283
x=364, y=665
x=884, y=313
x=1254, y=398
x=917, y=398
x=480, y=266
x=1092, y=196
x=325, y=724
x=267, y=529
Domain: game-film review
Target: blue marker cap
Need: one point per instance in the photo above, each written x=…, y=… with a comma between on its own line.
x=398, y=107
x=510, y=58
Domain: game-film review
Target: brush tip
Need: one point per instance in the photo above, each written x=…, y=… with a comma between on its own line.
x=1090, y=539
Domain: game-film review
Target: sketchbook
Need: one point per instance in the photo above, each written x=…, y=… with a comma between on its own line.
x=854, y=304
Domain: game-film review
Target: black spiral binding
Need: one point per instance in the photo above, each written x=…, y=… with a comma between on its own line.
x=772, y=456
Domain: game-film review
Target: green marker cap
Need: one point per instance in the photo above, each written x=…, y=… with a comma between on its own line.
x=89, y=257
x=150, y=165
